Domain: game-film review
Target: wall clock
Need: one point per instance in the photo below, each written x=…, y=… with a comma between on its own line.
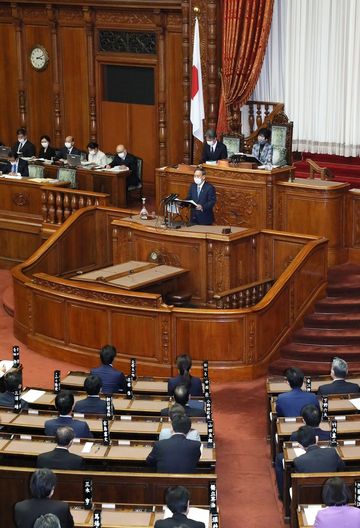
x=39, y=57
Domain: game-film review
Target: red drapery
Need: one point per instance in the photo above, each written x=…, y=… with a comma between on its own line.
x=246, y=27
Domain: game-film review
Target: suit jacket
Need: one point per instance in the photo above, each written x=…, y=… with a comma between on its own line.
x=195, y=386
x=112, y=380
x=319, y=460
x=189, y=411
x=338, y=387
x=219, y=154
x=290, y=403
x=23, y=168
x=178, y=519
x=207, y=199
x=50, y=153
x=175, y=455
x=130, y=162
x=63, y=152
x=27, y=511
x=81, y=429
x=334, y=516
x=91, y=405
x=265, y=155
x=320, y=433
x=27, y=151
x=7, y=399
x=59, y=458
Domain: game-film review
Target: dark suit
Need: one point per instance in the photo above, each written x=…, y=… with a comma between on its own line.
x=81, y=429
x=195, y=386
x=339, y=387
x=206, y=198
x=63, y=152
x=22, y=168
x=27, y=511
x=50, y=153
x=319, y=460
x=112, y=380
x=320, y=433
x=7, y=399
x=290, y=403
x=26, y=151
x=91, y=405
x=130, y=162
x=59, y=458
x=177, y=454
x=219, y=154
x=178, y=519
x=189, y=411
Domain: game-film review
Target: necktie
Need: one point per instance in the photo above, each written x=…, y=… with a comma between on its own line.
x=198, y=190
x=13, y=169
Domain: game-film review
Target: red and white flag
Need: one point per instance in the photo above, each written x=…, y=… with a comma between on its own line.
x=197, y=113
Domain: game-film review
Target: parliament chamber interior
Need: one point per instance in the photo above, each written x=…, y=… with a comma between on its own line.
x=179, y=264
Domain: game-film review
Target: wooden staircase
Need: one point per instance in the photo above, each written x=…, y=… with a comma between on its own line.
x=332, y=330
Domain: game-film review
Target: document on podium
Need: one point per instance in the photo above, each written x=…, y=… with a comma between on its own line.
x=186, y=202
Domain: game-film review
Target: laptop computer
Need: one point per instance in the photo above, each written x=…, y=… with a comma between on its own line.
x=74, y=160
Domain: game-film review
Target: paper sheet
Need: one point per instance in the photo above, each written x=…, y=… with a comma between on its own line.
x=87, y=447
x=32, y=395
x=311, y=513
x=5, y=366
x=356, y=403
x=299, y=451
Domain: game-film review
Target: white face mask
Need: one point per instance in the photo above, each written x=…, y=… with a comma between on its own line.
x=91, y=151
x=21, y=139
x=121, y=155
x=197, y=180
x=45, y=144
x=210, y=143
x=67, y=144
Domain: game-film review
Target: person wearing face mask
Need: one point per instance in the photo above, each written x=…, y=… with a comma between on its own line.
x=95, y=155
x=263, y=149
x=124, y=159
x=46, y=152
x=15, y=165
x=213, y=149
x=204, y=195
x=23, y=146
x=68, y=148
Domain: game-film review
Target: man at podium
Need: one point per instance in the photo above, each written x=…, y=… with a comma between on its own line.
x=204, y=195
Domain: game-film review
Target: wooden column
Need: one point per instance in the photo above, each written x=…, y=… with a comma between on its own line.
x=211, y=81
x=17, y=18
x=52, y=17
x=186, y=80
x=89, y=27
x=161, y=23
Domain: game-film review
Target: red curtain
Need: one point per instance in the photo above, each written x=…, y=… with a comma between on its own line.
x=246, y=27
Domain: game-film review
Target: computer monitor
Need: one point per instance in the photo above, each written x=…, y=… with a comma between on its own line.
x=74, y=160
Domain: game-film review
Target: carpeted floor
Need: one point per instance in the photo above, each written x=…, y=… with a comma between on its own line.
x=246, y=488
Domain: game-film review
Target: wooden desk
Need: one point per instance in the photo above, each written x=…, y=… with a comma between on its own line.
x=278, y=384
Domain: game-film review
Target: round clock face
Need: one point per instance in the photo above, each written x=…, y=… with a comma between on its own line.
x=39, y=58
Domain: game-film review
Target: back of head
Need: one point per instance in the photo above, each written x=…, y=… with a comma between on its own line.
x=107, y=354
x=49, y=520
x=92, y=385
x=176, y=410
x=335, y=492
x=184, y=364
x=295, y=377
x=64, y=402
x=311, y=415
x=306, y=436
x=177, y=499
x=42, y=483
x=181, y=394
x=181, y=424
x=340, y=368
x=64, y=436
x=13, y=380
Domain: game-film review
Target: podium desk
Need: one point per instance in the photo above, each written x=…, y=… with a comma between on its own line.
x=152, y=386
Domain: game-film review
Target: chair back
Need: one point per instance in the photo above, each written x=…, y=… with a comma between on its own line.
x=35, y=171
x=139, y=174
x=67, y=175
x=233, y=142
x=109, y=157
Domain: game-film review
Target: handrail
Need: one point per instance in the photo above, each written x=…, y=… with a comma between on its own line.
x=243, y=296
x=325, y=173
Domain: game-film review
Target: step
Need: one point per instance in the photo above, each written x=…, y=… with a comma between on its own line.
x=332, y=320
x=312, y=352
x=327, y=336
x=338, y=305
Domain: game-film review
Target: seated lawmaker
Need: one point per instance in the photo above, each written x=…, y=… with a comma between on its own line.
x=23, y=147
x=13, y=381
x=16, y=166
x=112, y=380
x=64, y=403
x=290, y=404
x=213, y=149
x=167, y=432
x=68, y=148
x=181, y=396
x=177, y=454
x=336, y=496
x=60, y=458
x=123, y=159
x=95, y=155
x=184, y=364
x=263, y=149
x=204, y=195
x=339, y=372
x=46, y=151
x=315, y=459
x=92, y=404
x=177, y=499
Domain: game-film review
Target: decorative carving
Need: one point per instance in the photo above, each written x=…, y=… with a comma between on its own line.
x=5, y=11
x=292, y=303
x=219, y=255
x=34, y=12
x=165, y=338
x=228, y=205
x=186, y=81
x=22, y=106
x=20, y=199
x=251, y=342
x=127, y=42
x=71, y=14
x=92, y=111
x=132, y=19
x=57, y=114
x=174, y=19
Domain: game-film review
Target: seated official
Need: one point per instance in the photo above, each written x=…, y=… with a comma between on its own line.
x=177, y=454
x=177, y=499
x=13, y=381
x=316, y=459
x=23, y=147
x=123, y=159
x=339, y=372
x=112, y=380
x=64, y=403
x=167, y=432
x=60, y=458
x=213, y=149
x=92, y=404
x=16, y=166
x=95, y=155
x=49, y=520
x=204, y=195
x=46, y=151
x=68, y=148
x=290, y=403
x=184, y=364
x=263, y=149
x=181, y=396
x=42, y=487
x=336, y=496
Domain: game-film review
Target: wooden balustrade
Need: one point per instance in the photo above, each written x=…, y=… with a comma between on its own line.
x=243, y=296
x=58, y=204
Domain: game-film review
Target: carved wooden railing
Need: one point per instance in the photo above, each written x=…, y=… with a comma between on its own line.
x=58, y=204
x=325, y=173
x=243, y=296
x=259, y=112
